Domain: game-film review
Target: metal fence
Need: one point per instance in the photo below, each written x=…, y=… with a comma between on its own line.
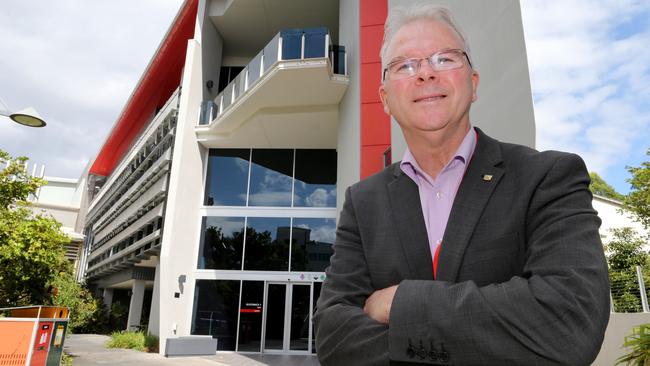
x=628, y=291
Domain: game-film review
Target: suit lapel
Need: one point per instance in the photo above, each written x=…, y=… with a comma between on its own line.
x=481, y=178
x=409, y=223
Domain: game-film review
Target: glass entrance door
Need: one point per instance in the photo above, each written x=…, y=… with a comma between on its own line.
x=287, y=317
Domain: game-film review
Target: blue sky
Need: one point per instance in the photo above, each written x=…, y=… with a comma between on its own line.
x=590, y=73
x=77, y=63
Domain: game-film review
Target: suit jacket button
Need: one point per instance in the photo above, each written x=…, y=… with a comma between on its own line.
x=443, y=356
x=433, y=355
x=422, y=353
x=410, y=351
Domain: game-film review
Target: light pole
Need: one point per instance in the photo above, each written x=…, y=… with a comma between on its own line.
x=27, y=117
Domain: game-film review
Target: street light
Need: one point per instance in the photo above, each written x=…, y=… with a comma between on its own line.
x=27, y=117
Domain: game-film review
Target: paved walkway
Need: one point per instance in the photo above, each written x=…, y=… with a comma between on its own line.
x=89, y=350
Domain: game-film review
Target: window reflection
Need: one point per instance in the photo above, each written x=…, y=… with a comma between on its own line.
x=311, y=244
x=267, y=244
x=271, y=177
x=227, y=177
x=315, y=184
x=222, y=240
x=271, y=174
x=216, y=304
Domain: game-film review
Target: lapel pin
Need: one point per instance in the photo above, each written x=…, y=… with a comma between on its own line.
x=487, y=177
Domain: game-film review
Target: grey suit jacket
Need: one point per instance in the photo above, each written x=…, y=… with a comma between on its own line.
x=521, y=278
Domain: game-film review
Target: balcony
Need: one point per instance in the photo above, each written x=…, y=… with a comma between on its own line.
x=287, y=96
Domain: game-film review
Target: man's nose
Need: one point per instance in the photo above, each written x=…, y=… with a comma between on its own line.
x=426, y=71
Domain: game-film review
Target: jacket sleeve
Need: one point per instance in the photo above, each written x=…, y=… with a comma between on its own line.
x=345, y=335
x=554, y=313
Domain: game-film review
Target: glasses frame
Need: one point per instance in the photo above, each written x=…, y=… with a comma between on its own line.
x=420, y=59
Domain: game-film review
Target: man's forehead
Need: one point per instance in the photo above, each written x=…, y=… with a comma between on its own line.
x=436, y=31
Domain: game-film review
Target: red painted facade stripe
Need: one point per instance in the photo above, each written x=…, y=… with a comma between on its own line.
x=374, y=124
x=157, y=84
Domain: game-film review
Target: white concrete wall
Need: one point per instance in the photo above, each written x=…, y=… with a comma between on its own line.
x=504, y=109
x=349, y=138
x=67, y=216
x=211, y=50
x=58, y=191
x=182, y=220
x=620, y=325
x=614, y=217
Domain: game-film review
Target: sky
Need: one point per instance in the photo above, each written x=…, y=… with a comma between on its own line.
x=76, y=62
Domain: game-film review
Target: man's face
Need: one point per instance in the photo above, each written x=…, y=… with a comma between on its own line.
x=430, y=100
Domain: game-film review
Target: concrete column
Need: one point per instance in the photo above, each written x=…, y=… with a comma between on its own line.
x=154, y=314
x=108, y=299
x=135, y=308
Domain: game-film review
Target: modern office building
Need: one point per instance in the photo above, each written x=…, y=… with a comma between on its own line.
x=213, y=202
x=60, y=199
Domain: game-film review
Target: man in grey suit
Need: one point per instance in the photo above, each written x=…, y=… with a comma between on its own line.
x=469, y=251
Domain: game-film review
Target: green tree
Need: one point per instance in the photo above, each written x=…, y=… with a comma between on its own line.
x=600, y=187
x=624, y=253
x=31, y=245
x=638, y=200
x=86, y=312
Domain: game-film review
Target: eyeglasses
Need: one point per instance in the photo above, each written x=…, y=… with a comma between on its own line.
x=439, y=61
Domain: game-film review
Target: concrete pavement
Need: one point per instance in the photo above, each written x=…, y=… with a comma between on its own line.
x=90, y=350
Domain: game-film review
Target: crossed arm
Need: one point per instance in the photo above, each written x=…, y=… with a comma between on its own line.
x=554, y=312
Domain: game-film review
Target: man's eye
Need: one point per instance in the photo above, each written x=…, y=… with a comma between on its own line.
x=445, y=60
x=404, y=67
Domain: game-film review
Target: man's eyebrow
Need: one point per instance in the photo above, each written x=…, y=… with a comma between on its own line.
x=402, y=58
x=399, y=58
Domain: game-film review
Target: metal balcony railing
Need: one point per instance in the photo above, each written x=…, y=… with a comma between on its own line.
x=287, y=45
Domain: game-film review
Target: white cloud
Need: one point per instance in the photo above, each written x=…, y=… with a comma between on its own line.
x=267, y=198
x=317, y=198
x=322, y=233
x=228, y=226
x=76, y=63
x=590, y=73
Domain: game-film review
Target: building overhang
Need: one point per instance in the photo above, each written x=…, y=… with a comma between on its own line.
x=294, y=104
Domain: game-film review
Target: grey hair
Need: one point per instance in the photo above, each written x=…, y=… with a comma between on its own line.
x=400, y=16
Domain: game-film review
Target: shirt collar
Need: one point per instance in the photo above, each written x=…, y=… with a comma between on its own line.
x=463, y=154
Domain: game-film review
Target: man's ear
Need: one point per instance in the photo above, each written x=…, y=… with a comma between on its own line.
x=384, y=98
x=475, y=81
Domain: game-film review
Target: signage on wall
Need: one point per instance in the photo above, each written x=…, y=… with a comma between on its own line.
x=308, y=277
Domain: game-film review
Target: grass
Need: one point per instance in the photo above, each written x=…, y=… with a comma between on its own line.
x=66, y=360
x=133, y=340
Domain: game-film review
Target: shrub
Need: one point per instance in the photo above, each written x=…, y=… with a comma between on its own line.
x=66, y=360
x=133, y=340
x=86, y=312
x=639, y=344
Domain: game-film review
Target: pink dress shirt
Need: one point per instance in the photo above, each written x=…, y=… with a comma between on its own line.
x=437, y=195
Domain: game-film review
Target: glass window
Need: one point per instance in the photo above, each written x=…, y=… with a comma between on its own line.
x=222, y=240
x=317, y=288
x=311, y=244
x=271, y=174
x=275, y=313
x=216, y=304
x=300, y=306
x=315, y=184
x=227, y=177
x=250, y=316
x=267, y=244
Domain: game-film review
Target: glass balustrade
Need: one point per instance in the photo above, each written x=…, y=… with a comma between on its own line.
x=287, y=45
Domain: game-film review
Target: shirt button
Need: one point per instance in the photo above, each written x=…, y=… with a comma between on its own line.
x=438, y=195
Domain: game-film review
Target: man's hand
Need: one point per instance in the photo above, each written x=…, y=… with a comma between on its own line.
x=378, y=304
